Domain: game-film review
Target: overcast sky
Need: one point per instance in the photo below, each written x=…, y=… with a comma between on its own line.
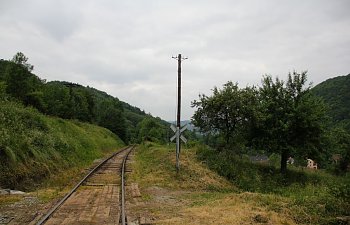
x=125, y=47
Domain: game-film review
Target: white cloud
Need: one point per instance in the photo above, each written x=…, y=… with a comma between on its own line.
x=124, y=47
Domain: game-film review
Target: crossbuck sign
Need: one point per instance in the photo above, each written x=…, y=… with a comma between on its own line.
x=178, y=135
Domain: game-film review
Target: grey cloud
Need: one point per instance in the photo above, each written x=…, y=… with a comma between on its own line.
x=55, y=18
x=125, y=47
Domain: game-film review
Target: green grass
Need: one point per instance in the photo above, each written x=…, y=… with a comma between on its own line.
x=155, y=164
x=313, y=197
x=34, y=147
x=300, y=197
x=197, y=195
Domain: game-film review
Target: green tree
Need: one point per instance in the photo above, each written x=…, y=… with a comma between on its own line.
x=151, y=129
x=21, y=83
x=111, y=116
x=292, y=119
x=70, y=101
x=79, y=104
x=56, y=98
x=225, y=112
x=21, y=59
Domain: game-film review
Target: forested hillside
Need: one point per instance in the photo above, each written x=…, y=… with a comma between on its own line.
x=73, y=101
x=336, y=93
x=47, y=127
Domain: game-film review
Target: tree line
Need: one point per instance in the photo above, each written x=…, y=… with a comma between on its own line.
x=73, y=101
x=282, y=117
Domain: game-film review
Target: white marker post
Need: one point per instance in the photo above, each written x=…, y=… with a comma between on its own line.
x=178, y=135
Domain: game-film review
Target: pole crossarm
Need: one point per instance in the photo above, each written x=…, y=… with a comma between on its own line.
x=181, y=59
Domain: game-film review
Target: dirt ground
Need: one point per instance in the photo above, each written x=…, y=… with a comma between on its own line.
x=159, y=205
x=19, y=209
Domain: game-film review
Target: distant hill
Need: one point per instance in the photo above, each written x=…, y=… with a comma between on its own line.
x=336, y=93
x=73, y=101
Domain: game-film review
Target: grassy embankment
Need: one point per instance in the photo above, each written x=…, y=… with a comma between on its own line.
x=250, y=194
x=35, y=147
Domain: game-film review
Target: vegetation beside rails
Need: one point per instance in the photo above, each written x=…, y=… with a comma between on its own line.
x=34, y=147
x=155, y=165
x=312, y=197
x=196, y=195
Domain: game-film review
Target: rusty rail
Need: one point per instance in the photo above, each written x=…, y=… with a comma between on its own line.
x=55, y=208
x=122, y=209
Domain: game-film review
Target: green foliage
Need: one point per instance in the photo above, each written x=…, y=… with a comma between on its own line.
x=315, y=198
x=68, y=100
x=21, y=59
x=292, y=119
x=152, y=129
x=275, y=159
x=226, y=112
x=339, y=142
x=279, y=117
x=3, y=94
x=336, y=93
x=112, y=118
x=57, y=100
x=19, y=82
x=33, y=146
x=133, y=116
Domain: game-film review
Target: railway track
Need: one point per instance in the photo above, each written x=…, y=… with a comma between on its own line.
x=99, y=198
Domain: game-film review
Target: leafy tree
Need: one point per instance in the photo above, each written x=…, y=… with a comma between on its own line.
x=35, y=99
x=226, y=111
x=280, y=117
x=4, y=64
x=151, y=129
x=21, y=59
x=292, y=118
x=17, y=81
x=21, y=83
x=70, y=101
x=79, y=104
x=56, y=98
x=112, y=117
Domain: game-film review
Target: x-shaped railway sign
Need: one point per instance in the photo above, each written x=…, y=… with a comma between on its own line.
x=178, y=132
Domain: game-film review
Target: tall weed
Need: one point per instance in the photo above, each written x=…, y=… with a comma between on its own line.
x=34, y=146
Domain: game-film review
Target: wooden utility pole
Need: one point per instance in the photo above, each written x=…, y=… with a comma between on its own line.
x=178, y=122
x=178, y=130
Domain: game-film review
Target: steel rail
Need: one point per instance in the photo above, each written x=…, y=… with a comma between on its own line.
x=122, y=209
x=54, y=209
